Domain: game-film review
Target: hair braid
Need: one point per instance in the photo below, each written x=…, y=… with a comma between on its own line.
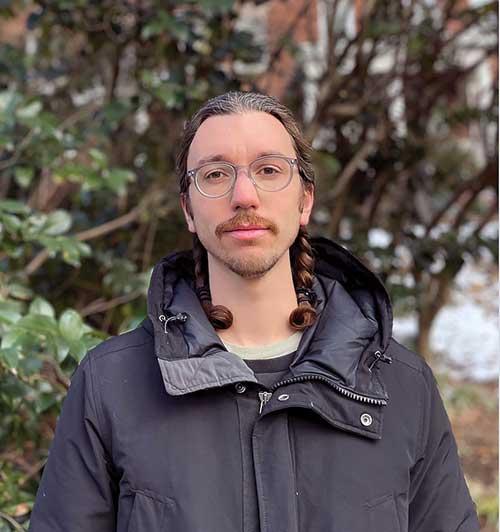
x=303, y=270
x=219, y=315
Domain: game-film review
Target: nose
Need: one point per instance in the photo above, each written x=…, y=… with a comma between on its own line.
x=244, y=193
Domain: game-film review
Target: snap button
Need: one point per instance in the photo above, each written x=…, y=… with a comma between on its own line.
x=240, y=388
x=366, y=420
x=283, y=397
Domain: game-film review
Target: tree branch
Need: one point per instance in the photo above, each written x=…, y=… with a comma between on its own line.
x=99, y=305
x=349, y=170
x=490, y=213
x=11, y=521
x=89, y=234
x=475, y=185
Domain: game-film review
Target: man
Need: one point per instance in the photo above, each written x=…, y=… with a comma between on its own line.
x=264, y=391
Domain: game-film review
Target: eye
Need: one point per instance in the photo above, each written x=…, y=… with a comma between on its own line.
x=269, y=167
x=269, y=170
x=215, y=174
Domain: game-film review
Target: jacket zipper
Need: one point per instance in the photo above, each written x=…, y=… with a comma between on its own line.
x=334, y=385
x=264, y=398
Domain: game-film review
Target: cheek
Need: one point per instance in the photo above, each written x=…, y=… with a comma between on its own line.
x=205, y=215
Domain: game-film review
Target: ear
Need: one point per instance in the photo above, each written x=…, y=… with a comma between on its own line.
x=306, y=204
x=187, y=211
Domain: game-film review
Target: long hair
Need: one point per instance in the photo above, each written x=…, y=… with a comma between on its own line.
x=301, y=255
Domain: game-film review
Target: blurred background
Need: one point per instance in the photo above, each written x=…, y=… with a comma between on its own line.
x=400, y=101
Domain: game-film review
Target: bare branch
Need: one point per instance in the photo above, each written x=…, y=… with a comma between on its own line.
x=350, y=169
x=89, y=234
x=20, y=147
x=486, y=178
x=102, y=306
x=110, y=226
x=11, y=521
x=54, y=373
x=490, y=214
x=475, y=185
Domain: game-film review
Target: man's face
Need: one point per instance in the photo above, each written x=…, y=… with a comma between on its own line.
x=240, y=139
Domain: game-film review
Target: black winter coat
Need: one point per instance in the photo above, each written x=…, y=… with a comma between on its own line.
x=353, y=439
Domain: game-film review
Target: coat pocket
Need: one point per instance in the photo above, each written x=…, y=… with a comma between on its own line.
x=383, y=514
x=149, y=513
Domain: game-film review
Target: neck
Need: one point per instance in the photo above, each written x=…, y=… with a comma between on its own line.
x=260, y=307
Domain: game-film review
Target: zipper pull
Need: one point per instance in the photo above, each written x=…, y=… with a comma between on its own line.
x=264, y=398
x=380, y=357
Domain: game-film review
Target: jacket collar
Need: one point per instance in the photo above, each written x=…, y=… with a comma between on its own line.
x=355, y=321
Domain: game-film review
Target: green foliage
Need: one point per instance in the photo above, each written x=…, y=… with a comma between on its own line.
x=21, y=227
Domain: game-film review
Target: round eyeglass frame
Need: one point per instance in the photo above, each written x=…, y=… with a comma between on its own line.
x=193, y=174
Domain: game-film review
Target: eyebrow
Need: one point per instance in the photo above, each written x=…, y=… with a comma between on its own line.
x=219, y=157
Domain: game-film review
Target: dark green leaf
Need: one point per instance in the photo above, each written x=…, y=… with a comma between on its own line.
x=38, y=324
x=117, y=179
x=10, y=356
x=13, y=206
x=29, y=111
x=20, y=291
x=9, y=313
x=217, y=6
x=77, y=349
x=61, y=348
x=57, y=222
x=11, y=223
x=24, y=176
x=41, y=306
x=98, y=157
x=71, y=326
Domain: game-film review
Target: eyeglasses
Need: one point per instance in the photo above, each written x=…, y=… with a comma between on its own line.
x=270, y=173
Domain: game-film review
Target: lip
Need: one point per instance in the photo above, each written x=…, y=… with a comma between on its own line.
x=247, y=233
x=247, y=227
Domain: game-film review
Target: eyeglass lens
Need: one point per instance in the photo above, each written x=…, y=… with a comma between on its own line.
x=269, y=173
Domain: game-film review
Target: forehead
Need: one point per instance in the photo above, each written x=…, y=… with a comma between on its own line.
x=240, y=138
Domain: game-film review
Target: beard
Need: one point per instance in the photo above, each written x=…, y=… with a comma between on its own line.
x=248, y=265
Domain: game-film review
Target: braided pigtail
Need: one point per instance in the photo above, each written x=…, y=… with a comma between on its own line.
x=219, y=316
x=303, y=269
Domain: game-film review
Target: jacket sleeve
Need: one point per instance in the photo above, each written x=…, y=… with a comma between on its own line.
x=77, y=492
x=439, y=497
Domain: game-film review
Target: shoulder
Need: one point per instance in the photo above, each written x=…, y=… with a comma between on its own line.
x=122, y=343
x=414, y=397
x=409, y=376
x=125, y=350
x=117, y=368
x=408, y=361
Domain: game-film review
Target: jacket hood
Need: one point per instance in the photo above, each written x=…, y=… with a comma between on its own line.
x=344, y=345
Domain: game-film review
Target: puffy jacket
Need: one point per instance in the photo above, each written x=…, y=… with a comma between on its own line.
x=354, y=438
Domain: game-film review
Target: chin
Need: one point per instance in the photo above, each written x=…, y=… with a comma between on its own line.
x=251, y=266
x=249, y=259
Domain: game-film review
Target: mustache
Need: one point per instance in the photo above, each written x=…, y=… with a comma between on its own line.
x=245, y=218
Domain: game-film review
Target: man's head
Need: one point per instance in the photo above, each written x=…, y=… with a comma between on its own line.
x=241, y=128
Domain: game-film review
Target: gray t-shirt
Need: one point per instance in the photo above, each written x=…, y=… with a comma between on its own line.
x=269, y=362
x=271, y=370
